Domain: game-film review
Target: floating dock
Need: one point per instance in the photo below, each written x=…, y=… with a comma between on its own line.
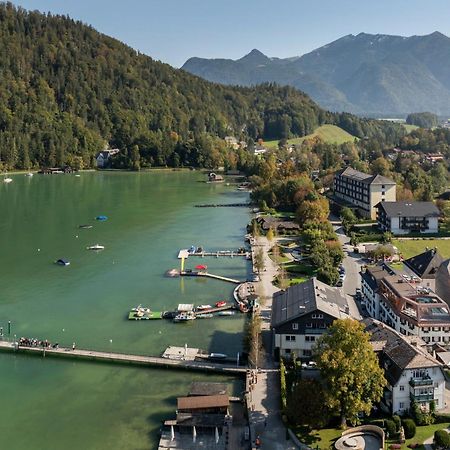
x=121, y=358
x=185, y=273
x=185, y=253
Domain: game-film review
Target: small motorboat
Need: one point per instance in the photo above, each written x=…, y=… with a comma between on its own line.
x=101, y=218
x=95, y=247
x=225, y=313
x=29, y=174
x=203, y=307
x=184, y=317
x=85, y=227
x=221, y=303
x=7, y=180
x=78, y=175
x=205, y=316
x=217, y=356
x=62, y=262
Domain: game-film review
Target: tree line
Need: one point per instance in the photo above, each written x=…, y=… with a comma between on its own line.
x=68, y=92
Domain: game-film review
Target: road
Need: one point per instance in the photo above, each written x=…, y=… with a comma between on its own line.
x=352, y=264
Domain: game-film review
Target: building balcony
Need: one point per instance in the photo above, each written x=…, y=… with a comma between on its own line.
x=421, y=397
x=420, y=382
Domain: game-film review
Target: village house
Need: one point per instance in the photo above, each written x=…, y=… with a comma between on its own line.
x=278, y=225
x=400, y=299
x=301, y=314
x=363, y=191
x=412, y=373
x=232, y=142
x=408, y=217
x=425, y=266
x=104, y=157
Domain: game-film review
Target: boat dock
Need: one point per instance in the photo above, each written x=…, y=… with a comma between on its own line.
x=185, y=253
x=224, y=205
x=122, y=358
x=185, y=273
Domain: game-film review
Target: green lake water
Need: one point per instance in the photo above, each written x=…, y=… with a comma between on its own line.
x=56, y=404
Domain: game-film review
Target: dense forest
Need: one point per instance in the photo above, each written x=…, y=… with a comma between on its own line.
x=68, y=91
x=423, y=119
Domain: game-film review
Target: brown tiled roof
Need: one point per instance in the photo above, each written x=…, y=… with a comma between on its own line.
x=204, y=401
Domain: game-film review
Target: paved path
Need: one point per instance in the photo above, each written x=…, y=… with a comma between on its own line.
x=265, y=396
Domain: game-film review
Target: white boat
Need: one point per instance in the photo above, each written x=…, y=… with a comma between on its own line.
x=203, y=307
x=29, y=174
x=218, y=356
x=78, y=175
x=205, y=316
x=95, y=247
x=184, y=317
x=7, y=180
x=225, y=313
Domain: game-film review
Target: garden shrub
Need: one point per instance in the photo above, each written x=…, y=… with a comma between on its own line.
x=441, y=439
x=410, y=428
x=390, y=428
x=398, y=422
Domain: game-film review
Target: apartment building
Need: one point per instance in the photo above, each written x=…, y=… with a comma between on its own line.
x=399, y=299
x=302, y=313
x=412, y=373
x=408, y=217
x=363, y=191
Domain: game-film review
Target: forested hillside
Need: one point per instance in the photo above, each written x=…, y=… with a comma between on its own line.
x=67, y=91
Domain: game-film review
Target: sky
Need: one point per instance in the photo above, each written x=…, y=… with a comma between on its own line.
x=175, y=30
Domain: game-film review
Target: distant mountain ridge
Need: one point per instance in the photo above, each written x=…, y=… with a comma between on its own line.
x=363, y=74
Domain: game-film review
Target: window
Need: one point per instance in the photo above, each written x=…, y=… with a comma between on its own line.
x=310, y=338
x=317, y=316
x=307, y=353
x=290, y=338
x=401, y=405
x=287, y=351
x=308, y=325
x=295, y=326
x=402, y=388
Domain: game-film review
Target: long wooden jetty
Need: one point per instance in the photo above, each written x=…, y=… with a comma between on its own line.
x=122, y=358
x=184, y=253
x=224, y=205
x=185, y=273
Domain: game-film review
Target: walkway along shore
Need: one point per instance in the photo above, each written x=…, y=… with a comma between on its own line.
x=121, y=358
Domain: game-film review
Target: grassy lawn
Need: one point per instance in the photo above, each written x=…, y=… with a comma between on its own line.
x=414, y=247
x=299, y=272
x=328, y=133
x=323, y=439
x=326, y=437
x=279, y=259
x=410, y=128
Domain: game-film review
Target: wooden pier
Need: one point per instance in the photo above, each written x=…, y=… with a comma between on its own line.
x=185, y=273
x=224, y=205
x=121, y=358
x=184, y=253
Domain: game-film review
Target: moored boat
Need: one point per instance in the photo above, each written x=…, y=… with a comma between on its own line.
x=204, y=316
x=29, y=174
x=85, y=227
x=151, y=315
x=62, y=262
x=185, y=316
x=225, y=313
x=7, y=180
x=218, y=356
x=221, y=303
x=203, y=307
x=95, y=247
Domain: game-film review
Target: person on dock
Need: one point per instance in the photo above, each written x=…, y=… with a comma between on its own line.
x=73, y=346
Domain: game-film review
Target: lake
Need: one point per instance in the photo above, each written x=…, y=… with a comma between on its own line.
x=52, y=404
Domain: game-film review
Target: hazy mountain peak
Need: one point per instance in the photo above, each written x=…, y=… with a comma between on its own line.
x=255, y=57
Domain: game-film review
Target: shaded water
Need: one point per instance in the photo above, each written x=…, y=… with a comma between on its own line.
x=49, y=404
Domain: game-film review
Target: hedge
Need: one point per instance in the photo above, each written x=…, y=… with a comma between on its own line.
x=410, y=428
x=441, y=439
x=390, y=428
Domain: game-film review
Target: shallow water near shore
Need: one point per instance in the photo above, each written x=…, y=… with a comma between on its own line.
x=52, y=404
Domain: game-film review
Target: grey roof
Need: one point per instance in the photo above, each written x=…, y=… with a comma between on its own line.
x=426, y=264
x=307, y=297
x=364, y=177
x=397, y=352
x=409, y=209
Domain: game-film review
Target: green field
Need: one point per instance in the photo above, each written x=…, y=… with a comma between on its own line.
x=410, y=128
x=328, y=133
x=414, y=247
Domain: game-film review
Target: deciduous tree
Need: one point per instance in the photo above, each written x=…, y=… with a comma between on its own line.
x=353, y=380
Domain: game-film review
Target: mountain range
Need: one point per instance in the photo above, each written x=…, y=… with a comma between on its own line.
x=365, y=74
